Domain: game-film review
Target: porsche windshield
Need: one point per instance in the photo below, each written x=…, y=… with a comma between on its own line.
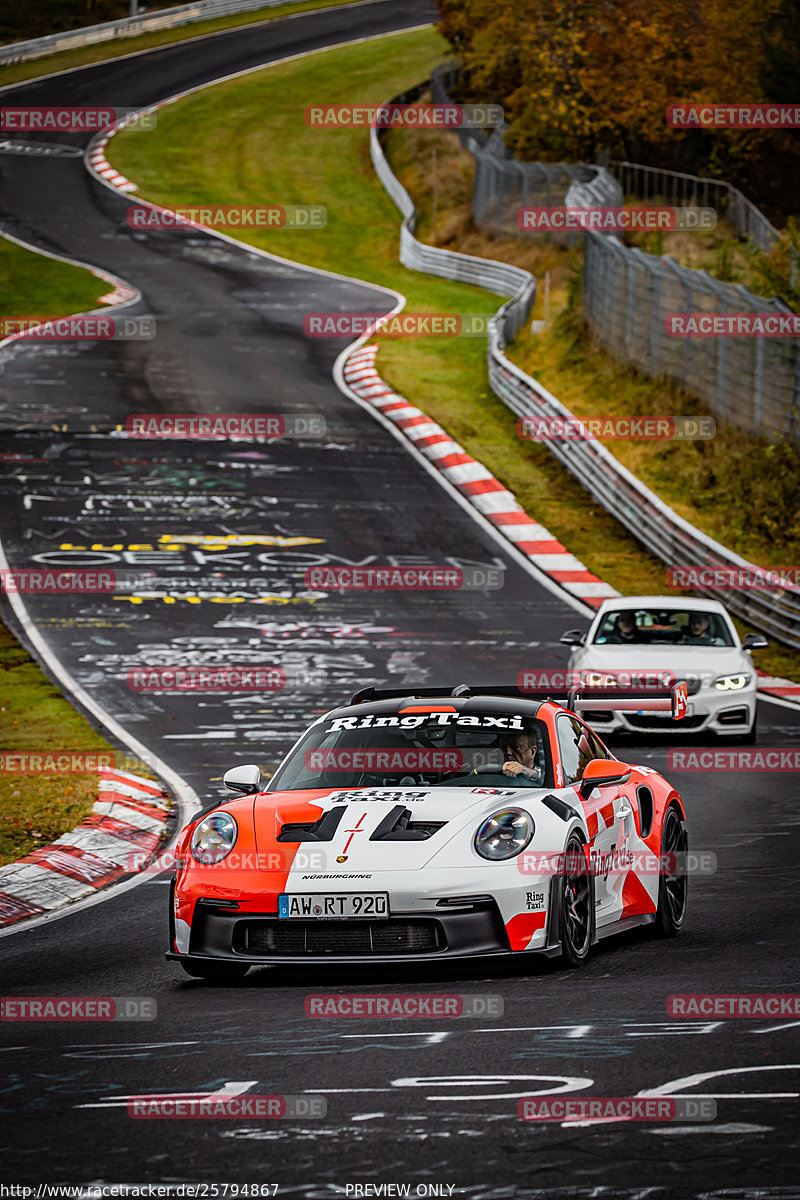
x=447, y=748
x=662, y=627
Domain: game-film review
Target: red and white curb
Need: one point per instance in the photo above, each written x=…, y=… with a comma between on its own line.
x=97, y=157
x=127, y=820
x=476, y=483
x=773, y=685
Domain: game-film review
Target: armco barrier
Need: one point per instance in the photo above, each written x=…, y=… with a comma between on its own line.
x=653, y=523
x=166, y=18
x=502, y=278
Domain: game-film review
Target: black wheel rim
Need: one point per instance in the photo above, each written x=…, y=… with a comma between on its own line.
x=674, y=843
x=577, y=900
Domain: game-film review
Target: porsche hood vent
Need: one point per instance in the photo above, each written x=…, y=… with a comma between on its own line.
x=321, y=830
x=397, y=826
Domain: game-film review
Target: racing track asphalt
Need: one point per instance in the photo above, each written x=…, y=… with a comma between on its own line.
x=418, y=1101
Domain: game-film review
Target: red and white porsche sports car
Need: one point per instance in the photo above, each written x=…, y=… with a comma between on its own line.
x=470, y=822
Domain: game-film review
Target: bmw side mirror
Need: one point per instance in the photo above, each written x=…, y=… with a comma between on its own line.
x=755, y=641
x=573, y=637
x=246, y=779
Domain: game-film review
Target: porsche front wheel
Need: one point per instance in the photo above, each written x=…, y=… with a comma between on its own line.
x=577, y=905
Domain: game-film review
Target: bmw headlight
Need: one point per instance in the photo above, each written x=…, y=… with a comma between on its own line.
x=731, y=683
x=214, y=838
x=504, y=834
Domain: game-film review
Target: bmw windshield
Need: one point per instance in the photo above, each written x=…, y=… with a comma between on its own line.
x=440, y=748
x=663, y=627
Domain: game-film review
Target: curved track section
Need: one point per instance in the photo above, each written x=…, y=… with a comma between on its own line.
x=227, y=531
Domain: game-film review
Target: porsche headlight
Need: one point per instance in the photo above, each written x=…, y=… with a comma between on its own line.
x=731, y=683
x=214, y=838
x=504, y=834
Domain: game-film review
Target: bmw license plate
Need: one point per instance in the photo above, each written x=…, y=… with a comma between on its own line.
x=322, y=905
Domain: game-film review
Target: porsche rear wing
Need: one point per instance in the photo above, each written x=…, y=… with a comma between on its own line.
x=669, y=699
x=578, y=699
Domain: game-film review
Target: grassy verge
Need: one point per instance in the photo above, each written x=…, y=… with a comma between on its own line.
x=183, y=161
x=34, y=285
x=35, y=718
x=66, y=60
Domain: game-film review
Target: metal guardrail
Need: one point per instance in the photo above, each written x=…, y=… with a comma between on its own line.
x=165, y=18
x=653, y=523
x=499, y=277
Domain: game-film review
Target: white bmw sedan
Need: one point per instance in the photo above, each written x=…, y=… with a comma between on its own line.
x=693, y=638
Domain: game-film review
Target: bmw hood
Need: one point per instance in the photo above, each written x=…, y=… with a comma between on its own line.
x=706, y=662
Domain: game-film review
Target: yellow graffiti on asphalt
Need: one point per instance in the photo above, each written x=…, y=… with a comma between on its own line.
x=209, y=541
x=218, y=598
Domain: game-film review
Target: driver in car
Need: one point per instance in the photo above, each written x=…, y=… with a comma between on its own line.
x=697, y=632
x=519, y=755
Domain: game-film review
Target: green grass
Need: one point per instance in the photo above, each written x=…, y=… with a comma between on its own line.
x=33, y=285
x=282, y=161
x=35, y=717
x=84, y=55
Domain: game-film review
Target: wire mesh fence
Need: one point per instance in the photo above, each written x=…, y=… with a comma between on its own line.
x=503, y=185
x=752, y=382
x=628, y=296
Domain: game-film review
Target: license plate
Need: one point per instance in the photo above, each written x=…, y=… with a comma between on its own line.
x=328, y=906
